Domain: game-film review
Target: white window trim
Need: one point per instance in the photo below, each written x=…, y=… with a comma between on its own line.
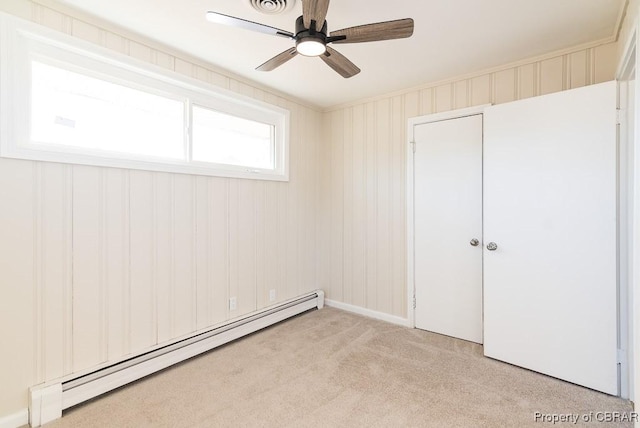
x=21, y=41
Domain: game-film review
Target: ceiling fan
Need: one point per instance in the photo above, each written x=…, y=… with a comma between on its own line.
x=312, y=36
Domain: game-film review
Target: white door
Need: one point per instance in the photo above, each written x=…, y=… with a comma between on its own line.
x=447, y=217
x=550, y=207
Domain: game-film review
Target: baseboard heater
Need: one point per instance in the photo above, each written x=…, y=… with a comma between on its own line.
x=47, y=401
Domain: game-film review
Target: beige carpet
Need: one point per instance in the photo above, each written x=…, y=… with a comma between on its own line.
x=330, y=368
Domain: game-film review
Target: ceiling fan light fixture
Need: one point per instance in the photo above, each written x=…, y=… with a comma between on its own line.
x=310, y=47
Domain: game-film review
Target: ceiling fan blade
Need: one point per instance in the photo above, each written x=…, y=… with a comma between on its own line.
x=339, y=63
x=389, y=30
x=278, y=60
x=232, y=21
x=314, y=10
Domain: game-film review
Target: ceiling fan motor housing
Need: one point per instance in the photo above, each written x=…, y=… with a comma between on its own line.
x=309, y=36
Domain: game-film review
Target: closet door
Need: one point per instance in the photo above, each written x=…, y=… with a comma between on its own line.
x=448, y=227
x=550, y=235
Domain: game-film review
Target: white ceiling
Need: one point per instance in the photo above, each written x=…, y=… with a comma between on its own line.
x=451, y=38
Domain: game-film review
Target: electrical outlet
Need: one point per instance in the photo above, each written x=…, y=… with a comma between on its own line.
x=233, y=303
x=272, y=295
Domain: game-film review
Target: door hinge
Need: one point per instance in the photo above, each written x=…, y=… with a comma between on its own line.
x=622, y=357
x=413, y=146
x=620, y=116
x=414, y=302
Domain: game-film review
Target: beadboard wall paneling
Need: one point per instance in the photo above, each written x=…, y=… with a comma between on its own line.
x=117, y=269
x=363, y=244
x=102, y=263
x=88, y=235
x=22, y=300
x=53, y=272
x=142, y=290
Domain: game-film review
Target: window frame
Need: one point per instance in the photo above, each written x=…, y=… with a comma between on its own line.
x=22, y=42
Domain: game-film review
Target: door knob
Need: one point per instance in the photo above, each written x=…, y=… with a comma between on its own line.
x=492, y=246
x=474, y=242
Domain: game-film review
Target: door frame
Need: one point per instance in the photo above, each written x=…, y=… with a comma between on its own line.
x=629, y=218
x=412, y=123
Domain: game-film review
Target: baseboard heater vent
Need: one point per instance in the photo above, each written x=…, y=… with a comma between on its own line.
x=47, y=401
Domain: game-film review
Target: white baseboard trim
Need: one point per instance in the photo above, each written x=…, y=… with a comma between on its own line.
x=15, y=420
x=368, y=313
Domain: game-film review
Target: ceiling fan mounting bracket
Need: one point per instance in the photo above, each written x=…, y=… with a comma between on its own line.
x=303, y=32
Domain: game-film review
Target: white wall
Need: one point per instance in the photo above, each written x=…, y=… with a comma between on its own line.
x=99, y=263
x=363, y=238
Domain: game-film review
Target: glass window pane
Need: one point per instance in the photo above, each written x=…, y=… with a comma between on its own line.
x=75, y=110
x=225, y=139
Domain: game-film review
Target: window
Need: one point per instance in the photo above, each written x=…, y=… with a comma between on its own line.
x=69, y=109
x=73, y=102
x=225, y=139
